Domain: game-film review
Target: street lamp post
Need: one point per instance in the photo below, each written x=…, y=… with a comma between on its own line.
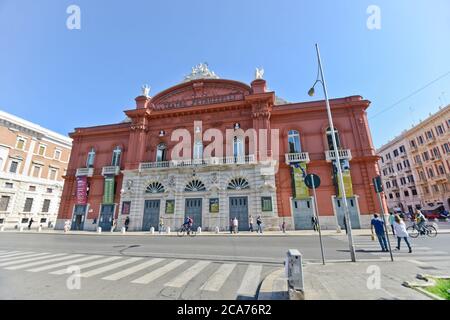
x=321, y=79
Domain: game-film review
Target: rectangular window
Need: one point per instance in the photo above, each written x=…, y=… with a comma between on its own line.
x=14, y=166
x=402, y=149
x=2, y=221
x=266, y=203
x=446, y=148
x=414, y=192
x=170, y=206
x=397, y=194
x=412, y=144
x=9, y=185
x=4, y=203
x=32, y=188
x=53, y=174
x=395, y=153
x=214, y=205
x=43, y=220
x=57, y=154
x=46, y=205
x=440, y=130
x=49, y=190
x=406, y=193
x=37, y=171
x=20, y=143
x=429, y=135
x=28, y=205
x=391, y=196
x=41, y=150
x=24, y=220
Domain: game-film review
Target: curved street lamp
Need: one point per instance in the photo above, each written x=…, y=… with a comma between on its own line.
x=321, y=79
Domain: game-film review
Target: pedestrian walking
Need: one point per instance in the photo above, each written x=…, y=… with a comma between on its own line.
x=235, y=225
x=113, y=225
x=161, y=225
x=30, y=223
x=127, y=223
x=231, y=225
x=283, y=226
x=378, y=225
x=391, y=221
x=314, y=223
x=401, y=233
x=259, y=224
x=251, y=223
x=345, y=225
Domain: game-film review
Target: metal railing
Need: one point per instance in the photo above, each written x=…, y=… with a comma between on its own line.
x=89, y=172
x=247, y=159
x=343, y=154
x=297, y=157
x=111, y=170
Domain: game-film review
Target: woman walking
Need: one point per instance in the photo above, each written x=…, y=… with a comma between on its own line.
x=401, y=233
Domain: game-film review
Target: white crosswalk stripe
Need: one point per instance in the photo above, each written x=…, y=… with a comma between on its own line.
x=15, y=255
x=127, y=272
x=22, y=257
x=87, y=265
x=146, y=279
x=64, y=263
x=44, y=256
x=8, y=253
x=188, y=274
x=37, y=263
x=108, y=267
x=216, y=281
x=250, y=282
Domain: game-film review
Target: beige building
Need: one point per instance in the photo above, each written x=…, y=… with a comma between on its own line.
x=33, y=161
x=415, y=166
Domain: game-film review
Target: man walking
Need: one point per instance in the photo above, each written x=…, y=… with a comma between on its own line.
x=30, y=223
x=391, y=221
x=127, y=222
x=259, y=224
x=251, y=223
x=378, y=225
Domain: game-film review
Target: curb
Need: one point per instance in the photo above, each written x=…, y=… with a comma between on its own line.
x=274, y=287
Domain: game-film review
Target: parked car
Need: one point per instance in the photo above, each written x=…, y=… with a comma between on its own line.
x=435, y=213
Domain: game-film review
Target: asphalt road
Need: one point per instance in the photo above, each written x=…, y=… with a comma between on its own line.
x=34, y=266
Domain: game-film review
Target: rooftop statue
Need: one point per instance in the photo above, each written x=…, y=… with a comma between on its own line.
x=259, y=73
x=146, y=90
x=200, y=71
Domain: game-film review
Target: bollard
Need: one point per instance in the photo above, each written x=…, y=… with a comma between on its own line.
x=20, y=229
x=199, y=230
x=99, y=230
x=294, y=270
x=217, y=230
x=2, y=228
x=124, y=230
x=39, y=229
x=152, y=230
x=338, y=230
x=168, y=230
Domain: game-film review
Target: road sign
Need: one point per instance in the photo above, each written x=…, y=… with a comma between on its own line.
x=378, y=185
x=312, y=181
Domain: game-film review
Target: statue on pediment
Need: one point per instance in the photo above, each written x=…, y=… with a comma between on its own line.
x=146, y=90
x=200, y=71
x=259, y=73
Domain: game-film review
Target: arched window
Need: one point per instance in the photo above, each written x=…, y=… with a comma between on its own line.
x=154, y=187
x=330, y=139
x=91, y=158
x=161, y=152
x=238, y=184
x=238, y=147
x=117, y=154
x=194, y=186
x=198, y=150
x=294, y=142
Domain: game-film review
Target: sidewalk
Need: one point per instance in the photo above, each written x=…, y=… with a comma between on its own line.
x=356, y=232
x=351, y=281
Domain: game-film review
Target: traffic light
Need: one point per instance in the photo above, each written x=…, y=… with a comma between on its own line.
x=378, y=185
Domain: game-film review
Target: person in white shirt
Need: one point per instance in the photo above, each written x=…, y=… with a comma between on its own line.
x=235, y=225
x=401, y=233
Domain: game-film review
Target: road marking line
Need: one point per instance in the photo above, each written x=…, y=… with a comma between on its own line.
x=405, y=252
x=15, y=256
x=108, y=267
x=149, y=277
x=130, y=271
x=217, y=280
x=44, y=256
x=64, y=263
x=21, y=257
x=7, y=253
x=187, y=275
x=87, y=265
x=250, y=282
x=32, y=264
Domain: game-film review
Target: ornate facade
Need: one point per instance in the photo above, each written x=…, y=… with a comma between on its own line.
x=244, y=153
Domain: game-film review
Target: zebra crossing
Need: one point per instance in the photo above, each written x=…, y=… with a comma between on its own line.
x=212, y=276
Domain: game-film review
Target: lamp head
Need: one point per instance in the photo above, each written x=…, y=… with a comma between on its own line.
x=311, y=92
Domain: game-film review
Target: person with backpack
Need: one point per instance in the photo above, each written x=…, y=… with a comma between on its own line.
x=259, y=224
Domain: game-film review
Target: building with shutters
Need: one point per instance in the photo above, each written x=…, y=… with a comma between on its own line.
x=216, y=149
x=33, y=161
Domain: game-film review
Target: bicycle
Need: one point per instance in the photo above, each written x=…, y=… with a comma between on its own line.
x=185, y=230
x=429, y=230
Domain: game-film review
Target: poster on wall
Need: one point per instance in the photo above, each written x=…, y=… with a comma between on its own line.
x=346, y=176
x=214, y=205
x=126, y=205
x=301, y=191
x=108, y=192
x=170, y=206
x=81, y=190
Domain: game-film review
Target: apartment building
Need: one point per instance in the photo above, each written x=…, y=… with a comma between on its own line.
x=33, y=161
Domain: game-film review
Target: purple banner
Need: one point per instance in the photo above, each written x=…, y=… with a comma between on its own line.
x=82, y=190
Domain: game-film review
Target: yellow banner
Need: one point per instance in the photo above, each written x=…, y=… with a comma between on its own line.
x=346, y=176
x=301, y=191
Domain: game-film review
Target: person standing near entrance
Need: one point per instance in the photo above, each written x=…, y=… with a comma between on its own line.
x=401, y=233
x=259, y=224
x=391, y=221
x=161, y=225
x=378, y=225
x=251, y=223
x=231, y=225
x=113, y=225
x=235, y=225
x=127, y=222
x=283, y=226
x=30, y=223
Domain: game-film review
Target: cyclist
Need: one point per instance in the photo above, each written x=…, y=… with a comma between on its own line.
x=420, y=220
x=188, y=222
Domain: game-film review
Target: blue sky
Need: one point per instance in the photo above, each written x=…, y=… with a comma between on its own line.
x=62, y=79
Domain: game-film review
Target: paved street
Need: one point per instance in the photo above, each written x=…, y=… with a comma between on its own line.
x=34, y=266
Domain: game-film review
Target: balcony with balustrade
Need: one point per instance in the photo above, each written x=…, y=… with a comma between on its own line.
x=89, y=172
x=296, y=157
x=344, y=154
x=111, y=170
x=195, y=163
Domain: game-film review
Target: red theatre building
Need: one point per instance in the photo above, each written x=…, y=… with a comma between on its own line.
x=166, y=161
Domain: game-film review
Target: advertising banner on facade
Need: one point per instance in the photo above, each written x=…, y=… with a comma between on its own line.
x=82, y=190
x=301, y=191
x=108, y=192
x=348, y=185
